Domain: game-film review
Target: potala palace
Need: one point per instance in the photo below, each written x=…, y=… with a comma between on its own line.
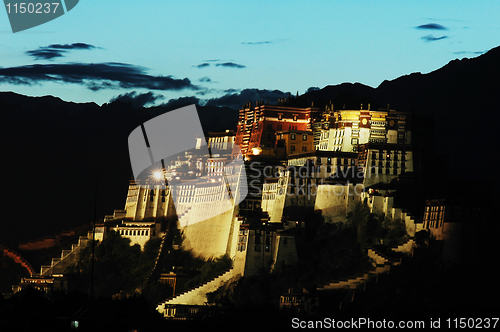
x=240, y=195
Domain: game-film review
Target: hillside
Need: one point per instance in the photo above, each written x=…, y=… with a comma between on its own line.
x=56, y=150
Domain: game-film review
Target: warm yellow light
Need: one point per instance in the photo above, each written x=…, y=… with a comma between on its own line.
x=157, y=175
x=256, y=151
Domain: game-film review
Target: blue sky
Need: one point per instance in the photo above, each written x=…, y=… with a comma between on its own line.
x=205, y=48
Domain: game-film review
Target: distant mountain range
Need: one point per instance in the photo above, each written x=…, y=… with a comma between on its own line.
x=53, y=151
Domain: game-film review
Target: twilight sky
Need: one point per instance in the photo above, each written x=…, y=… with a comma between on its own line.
x=159, y=50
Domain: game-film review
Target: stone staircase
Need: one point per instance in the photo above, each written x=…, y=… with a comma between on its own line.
x=160, y=252
x=196, y=295
x=406, y=247
x=382, y=262
x=68, y=257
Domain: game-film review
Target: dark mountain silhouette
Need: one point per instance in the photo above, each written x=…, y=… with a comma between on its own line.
x=54, y=150
x=462, y=99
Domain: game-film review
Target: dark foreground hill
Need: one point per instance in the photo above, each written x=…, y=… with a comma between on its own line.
x=54, y=151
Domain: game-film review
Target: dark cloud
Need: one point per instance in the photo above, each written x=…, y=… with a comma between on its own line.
x=46, y=54
x=182, y=101
x=57, y=50
x=205, y=79
x=138, y=99
x=236, y=100
x=203, y=65
x=230, y=65
x=74, y=46
x=312, y=88
x=258, y=43
x=95, y=77
x=431, y=26
x=469, y=52
x=430, y=38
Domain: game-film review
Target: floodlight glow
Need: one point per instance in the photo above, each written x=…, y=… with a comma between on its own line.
x=157, y=175
x=256, y=151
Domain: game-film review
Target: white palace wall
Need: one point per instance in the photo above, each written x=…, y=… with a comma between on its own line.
x=335, y=201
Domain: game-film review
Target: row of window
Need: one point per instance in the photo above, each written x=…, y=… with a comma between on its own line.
x=280, y=117
x=152, y=192
x=293, y=149
x=389, y=164
x=293, y=137
x=346, y=161
x=390, y=155
x=387, y=171
x=377, y=140
x=151, y=199
x=134, y=232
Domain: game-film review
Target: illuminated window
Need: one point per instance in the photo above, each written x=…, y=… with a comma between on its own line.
x=295, y=117
x=304, y=137
x=280, y=116
x=292, y=137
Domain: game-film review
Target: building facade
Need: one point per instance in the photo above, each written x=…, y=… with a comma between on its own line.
x=345, y=130
x=259, y=125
